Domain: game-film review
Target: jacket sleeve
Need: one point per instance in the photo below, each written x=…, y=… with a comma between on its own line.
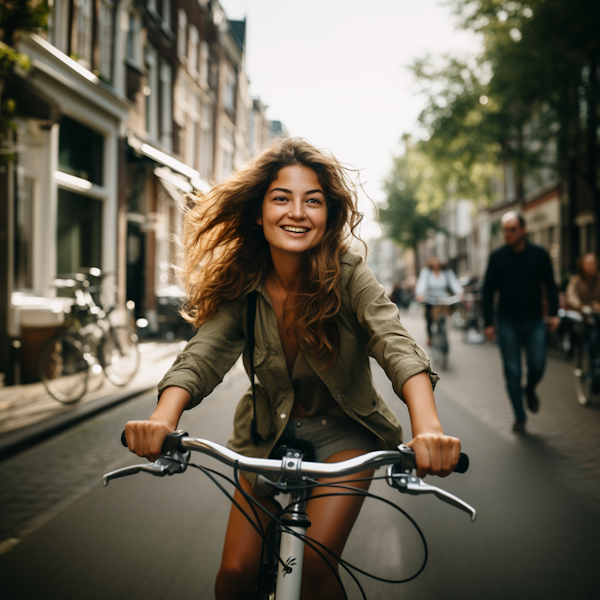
x=550, y=285
x=489, y=288
x=421, y=286
x=454, y=283
x=209, y=354
x=389, y=342
x=573, y=299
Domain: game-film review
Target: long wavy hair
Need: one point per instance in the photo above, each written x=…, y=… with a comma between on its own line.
x=225, y=250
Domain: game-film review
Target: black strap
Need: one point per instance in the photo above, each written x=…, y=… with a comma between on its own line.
x=250, y=333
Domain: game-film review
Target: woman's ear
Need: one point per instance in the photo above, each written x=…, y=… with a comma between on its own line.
x=259, y=221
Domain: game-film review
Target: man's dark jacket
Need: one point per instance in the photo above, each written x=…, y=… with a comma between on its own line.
x=519, y=277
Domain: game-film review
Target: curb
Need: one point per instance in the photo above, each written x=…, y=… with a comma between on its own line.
x=21, y=439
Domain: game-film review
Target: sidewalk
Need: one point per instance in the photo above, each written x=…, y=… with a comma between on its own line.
x=29, y=414
x=564, y=432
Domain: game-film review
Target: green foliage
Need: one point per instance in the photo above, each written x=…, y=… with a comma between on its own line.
x=413, y=199
x=529, y=91
x=22, y=15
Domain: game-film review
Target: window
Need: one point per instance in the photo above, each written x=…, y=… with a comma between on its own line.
x=166, y=14
x=166, y=101
x=79, y=232
x=206, y=143
x=106, y=16
x=230, y=89
x=151, y=91
x=182, y=34
x=133, y=48
x=58, y=25
x=23, y=236
x=80, y=151
x=204, y=60
x=193, y=49
x=84, y=18
x=227, y=150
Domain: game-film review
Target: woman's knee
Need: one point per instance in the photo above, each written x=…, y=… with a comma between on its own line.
x=235, y=579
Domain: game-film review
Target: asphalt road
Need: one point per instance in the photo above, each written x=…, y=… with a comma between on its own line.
x=149, y=538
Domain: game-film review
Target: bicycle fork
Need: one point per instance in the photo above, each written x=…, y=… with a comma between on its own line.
x=291, y=549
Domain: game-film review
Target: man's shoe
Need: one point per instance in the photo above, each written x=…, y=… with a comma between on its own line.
x=533, y=402
x=519, y=427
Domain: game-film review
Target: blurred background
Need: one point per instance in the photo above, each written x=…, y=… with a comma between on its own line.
x=452, y=113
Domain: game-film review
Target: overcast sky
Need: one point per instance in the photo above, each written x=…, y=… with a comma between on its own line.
x=335, y=72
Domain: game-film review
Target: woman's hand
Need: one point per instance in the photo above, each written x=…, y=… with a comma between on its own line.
x=435, y=453
x=145, y=438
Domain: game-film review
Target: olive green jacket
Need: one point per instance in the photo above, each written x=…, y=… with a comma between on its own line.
x=369, y=326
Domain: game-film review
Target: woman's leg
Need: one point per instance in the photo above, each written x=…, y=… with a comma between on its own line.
x=332, y=519
x=239, y=569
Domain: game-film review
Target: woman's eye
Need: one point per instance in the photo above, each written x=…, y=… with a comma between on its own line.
x=281, y=199
x=314, y=201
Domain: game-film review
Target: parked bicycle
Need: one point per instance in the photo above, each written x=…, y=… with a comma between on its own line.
x=441, y=309
x=282, y=561
x=89, y=344
x=585, y=328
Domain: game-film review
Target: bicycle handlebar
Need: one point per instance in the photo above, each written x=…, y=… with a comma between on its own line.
x=401, y=462
x=403, y=457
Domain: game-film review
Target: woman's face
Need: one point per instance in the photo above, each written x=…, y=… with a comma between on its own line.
x=294, y=211
x=434, y=264
x=589, y=265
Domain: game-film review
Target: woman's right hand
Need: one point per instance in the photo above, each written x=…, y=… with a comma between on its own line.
x=145, y=438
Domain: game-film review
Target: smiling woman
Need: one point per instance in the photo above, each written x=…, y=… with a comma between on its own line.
x=270, y=275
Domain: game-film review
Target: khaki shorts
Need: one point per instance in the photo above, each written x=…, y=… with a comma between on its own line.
x=321, y=437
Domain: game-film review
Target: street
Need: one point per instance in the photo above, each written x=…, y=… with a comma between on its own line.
x=537, y=534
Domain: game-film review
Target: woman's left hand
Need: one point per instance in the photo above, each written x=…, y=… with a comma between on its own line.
x=435, y=453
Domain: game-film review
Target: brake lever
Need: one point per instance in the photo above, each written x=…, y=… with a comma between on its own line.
x=411, y=484
x=177, y=462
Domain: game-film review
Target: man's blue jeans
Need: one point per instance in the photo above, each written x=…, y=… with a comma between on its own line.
x=512, y=337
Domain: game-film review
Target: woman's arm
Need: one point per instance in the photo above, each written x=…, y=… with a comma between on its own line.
x=146, y=438
x=572, y=298
x=435, y=453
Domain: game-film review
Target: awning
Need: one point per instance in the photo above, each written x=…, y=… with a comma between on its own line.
x=168, y=161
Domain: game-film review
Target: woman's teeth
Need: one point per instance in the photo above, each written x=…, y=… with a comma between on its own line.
x=295, y=229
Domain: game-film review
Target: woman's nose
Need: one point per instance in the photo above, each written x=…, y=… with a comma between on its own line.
x=297, y=209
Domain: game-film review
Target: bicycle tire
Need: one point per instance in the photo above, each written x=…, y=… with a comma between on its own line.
x=443, y=340
x=583, y=375
x=63, y=368
x=120, y=355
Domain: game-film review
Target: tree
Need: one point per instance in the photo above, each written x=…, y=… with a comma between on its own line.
x=413, y=199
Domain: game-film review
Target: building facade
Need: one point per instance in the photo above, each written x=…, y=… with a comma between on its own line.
x=139, y=102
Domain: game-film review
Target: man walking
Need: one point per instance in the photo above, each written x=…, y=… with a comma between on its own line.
x=518, y=271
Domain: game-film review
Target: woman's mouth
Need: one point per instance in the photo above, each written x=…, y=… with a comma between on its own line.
x=295, y=229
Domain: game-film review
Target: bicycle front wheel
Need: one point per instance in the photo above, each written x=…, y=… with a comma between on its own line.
x=120, y=355
x=64, y=369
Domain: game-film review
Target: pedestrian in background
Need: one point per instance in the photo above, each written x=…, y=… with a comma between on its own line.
x=435, y=282
x=518, y=271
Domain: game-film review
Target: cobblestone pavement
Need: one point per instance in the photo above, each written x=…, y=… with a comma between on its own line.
x=565, y=431
x=40, y=483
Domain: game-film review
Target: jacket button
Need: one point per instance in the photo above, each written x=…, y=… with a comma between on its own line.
x=282, y=415
x=374, y=403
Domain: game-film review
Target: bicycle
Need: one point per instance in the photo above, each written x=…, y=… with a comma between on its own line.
x=282, y=563
x=91, y=344
x=440, y=310
x=586, y=329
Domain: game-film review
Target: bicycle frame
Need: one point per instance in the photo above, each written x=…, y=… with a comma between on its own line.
x=292, y=470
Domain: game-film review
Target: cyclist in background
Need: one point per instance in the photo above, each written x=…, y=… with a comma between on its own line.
x=435, y=282
x=584, y=287
x=583, y=295
x=280, y=227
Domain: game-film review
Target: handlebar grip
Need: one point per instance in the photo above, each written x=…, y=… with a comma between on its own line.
x=463, y=463
x=171, y=443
